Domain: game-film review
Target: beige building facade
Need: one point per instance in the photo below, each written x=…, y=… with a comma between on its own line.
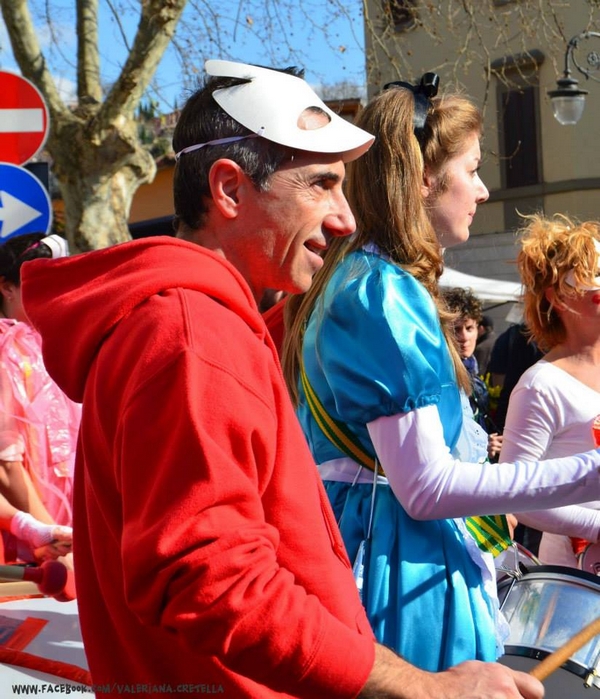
x=505, y=55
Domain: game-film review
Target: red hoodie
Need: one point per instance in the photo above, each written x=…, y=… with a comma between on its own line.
x=207, y=557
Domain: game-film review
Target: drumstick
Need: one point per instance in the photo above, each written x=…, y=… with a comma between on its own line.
x=50, y=577
x=553, y=661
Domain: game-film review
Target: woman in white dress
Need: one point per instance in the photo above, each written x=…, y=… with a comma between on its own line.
x=553, y=406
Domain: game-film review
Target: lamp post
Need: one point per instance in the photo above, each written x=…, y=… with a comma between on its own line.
x=568, y=100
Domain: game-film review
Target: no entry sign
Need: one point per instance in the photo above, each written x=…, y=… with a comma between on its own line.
x=23, y=119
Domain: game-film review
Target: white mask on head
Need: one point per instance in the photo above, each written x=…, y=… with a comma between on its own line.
x=272, y=103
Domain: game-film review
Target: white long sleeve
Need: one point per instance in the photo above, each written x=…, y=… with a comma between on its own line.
x=549, y=415
x=572, y=520
x=431, y=484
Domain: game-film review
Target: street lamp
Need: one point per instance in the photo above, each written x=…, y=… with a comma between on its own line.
x=568, y=100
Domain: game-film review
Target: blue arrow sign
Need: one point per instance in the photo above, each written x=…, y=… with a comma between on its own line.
x=25, y=205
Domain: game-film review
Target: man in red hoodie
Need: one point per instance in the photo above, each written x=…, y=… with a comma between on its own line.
x=207, y=557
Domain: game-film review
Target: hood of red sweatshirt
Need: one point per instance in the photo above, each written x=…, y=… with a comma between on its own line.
x=75, y=302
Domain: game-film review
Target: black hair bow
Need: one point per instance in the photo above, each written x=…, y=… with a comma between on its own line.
x=423, y=92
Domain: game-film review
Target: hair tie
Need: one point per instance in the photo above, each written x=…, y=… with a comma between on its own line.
x=423, y=92
x=33, y=246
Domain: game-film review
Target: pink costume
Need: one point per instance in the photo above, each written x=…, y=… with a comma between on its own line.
x=38, y=423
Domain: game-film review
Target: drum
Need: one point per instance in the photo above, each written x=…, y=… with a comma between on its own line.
x=545, y=608
x=590, y=559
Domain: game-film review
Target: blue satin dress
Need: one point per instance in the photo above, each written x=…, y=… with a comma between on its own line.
x=373, y=347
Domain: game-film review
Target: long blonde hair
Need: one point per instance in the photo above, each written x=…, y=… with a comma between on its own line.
x=384, y=189
x=551, y=247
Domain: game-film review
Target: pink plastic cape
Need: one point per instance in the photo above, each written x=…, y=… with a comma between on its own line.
x=38, y=423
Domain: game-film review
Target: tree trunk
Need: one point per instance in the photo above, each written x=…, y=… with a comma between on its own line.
x=98, y=175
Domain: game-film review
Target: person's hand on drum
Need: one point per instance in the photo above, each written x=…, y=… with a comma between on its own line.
x=394, y=678
x=477, y=680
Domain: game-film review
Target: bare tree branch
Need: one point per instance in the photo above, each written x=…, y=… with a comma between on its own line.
x=155, y=31
x=56, y=43
x=88, y=58
x=117, y=18
x=28, y=53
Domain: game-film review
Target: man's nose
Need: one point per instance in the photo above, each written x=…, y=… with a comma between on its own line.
x=341, y=221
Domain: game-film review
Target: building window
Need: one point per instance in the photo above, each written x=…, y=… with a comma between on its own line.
x=519, y=118
x=519, y=136
x=402, y=14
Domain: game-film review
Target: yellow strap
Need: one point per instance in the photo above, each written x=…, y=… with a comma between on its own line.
x=335, y=430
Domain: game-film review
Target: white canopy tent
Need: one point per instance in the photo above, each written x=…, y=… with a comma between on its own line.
x=487, y=290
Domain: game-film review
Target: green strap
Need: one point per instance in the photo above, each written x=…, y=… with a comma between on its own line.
x=489, y=531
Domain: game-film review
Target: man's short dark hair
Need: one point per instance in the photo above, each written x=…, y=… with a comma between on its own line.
x=202, y=120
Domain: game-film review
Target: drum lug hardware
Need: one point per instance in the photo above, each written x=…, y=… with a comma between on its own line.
x=518, y=570
x=590, y=678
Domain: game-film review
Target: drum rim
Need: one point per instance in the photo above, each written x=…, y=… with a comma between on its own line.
x=562, y=571
x=539, y=654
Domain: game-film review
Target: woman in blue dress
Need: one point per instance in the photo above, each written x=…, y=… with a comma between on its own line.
x=380, y=391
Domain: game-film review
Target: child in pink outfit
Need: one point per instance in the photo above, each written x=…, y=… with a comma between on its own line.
x=38, y=423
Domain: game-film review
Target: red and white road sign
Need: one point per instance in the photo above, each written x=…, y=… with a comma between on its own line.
x=23, y=119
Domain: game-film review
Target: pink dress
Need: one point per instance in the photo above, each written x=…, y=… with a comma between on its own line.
x=38, y=423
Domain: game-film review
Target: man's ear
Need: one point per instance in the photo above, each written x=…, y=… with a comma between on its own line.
x=427, y=185
x=225, y=180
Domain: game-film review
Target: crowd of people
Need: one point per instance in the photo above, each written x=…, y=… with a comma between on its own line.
x=332, y=529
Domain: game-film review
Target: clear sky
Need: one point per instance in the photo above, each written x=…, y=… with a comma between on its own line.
x=326, y=38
